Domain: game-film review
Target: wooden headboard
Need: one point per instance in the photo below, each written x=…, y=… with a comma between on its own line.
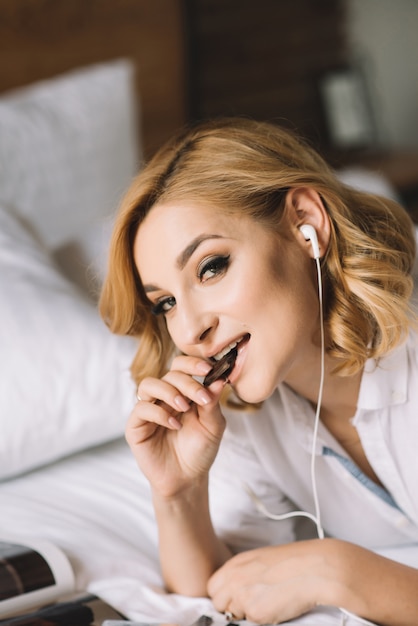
x=43, y=38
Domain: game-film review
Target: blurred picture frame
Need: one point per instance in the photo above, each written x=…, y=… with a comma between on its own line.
x=347, y=109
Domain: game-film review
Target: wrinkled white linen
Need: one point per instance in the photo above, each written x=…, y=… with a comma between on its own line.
x=96, y=506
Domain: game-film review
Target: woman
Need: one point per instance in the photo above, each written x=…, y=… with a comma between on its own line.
x=238, y=244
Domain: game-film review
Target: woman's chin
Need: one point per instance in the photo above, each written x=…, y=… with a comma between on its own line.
x=252, y=394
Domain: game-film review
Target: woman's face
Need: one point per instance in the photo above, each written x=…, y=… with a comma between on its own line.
x=224, y=279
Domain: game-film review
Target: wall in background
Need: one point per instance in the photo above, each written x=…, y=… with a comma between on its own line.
x=383, y=38
x=263, y=59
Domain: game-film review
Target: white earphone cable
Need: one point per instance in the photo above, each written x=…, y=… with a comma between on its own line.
x=316, y=517
x=319, y=528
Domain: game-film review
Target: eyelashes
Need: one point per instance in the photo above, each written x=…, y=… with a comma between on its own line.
x=208, y=269
x=214, y=266
x=163, y=306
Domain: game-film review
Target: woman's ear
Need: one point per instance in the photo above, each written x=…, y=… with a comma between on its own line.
x=304, y=206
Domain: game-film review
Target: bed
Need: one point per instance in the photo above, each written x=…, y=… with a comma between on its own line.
x=87, y=91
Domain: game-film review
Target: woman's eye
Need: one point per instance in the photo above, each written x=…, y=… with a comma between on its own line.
x=213, y=267
x=163, y=306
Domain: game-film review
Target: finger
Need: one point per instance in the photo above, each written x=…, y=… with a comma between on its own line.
x=234, y=614
x=157, y=391
x=221, y=601
x=223, y=579
x=146, y=413
x=223, y=592
x=195, y=366
x=189, y=388
x=137, y=433
x=177, y=393
x=177, y=389
x=180, y=375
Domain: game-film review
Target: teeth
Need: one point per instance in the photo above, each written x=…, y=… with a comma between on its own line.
x=222, y=353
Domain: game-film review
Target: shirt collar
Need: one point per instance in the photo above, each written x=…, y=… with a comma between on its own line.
x=384, y=383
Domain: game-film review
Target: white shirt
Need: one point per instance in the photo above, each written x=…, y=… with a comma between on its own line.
x=270, y=450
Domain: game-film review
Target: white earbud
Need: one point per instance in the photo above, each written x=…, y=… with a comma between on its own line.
x=309, y=233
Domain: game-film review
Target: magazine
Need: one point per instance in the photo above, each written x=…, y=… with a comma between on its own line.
x=37, y=586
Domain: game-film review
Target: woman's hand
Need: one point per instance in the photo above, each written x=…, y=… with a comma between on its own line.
x=176, y=427
x=280, y=583
x=174, y=432
x=269, y=585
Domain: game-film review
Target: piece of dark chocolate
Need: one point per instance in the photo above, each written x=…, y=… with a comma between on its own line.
x=222, y=368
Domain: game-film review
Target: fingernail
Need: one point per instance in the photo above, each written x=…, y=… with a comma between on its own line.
x=203, y=397
x=204, y=367
x=173, y=423
x=182, y=403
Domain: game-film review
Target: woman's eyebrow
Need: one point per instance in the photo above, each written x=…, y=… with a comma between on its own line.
x=149, y=288
x=185, y=255
x=193, y=245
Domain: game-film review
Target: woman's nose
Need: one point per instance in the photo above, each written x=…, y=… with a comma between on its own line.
x=196, y=326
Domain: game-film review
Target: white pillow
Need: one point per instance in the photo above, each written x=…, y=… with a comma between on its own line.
x=69, y=147
x=64, y=379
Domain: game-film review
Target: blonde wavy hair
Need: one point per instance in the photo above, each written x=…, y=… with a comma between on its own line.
x=247, y=167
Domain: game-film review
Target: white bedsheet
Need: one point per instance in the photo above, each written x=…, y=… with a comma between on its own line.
x=96, y=506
